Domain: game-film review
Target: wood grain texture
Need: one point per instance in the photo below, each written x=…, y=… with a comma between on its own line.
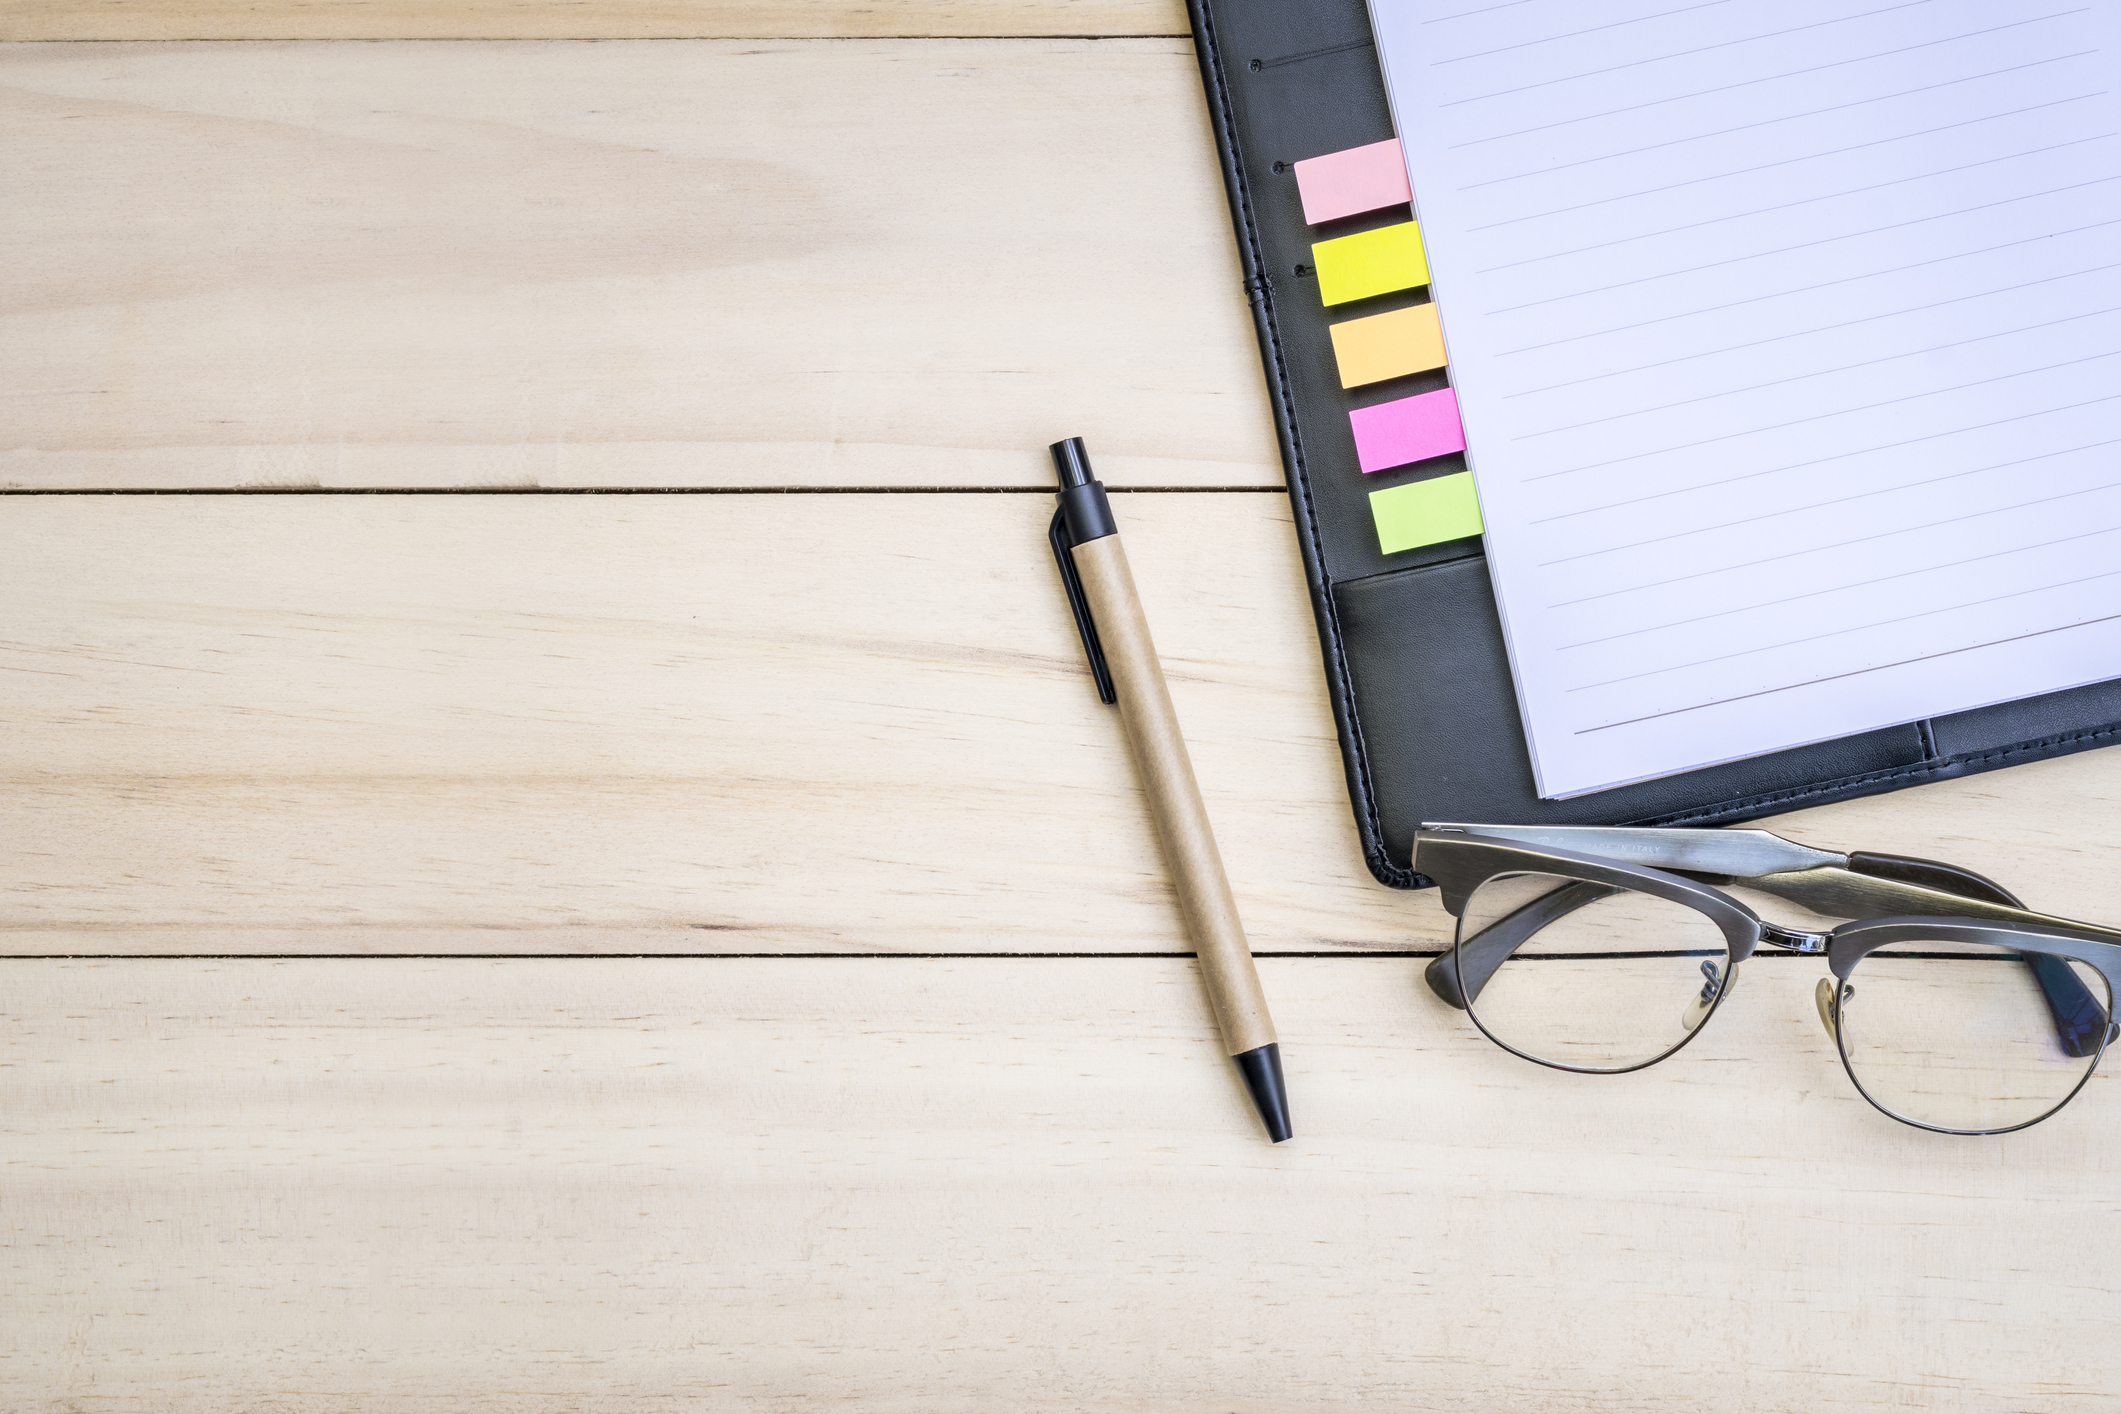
x=643, y=723
x=712, y=724
x=702, y=263
x=846, y=724
x=573, y=19
x=615, y=1185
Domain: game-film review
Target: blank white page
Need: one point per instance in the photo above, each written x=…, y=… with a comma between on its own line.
x=1788, y=342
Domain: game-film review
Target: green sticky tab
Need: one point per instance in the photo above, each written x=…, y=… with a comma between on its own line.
x=1426, y=512
x=1372, y=263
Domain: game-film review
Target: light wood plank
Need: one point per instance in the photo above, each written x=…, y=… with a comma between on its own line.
x=710, y=724
x=569, y=19
x=998, y=1184
x=663, y=723
x=627, y=264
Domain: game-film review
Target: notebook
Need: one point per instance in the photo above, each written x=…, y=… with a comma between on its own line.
x=1787, y=339
x=1397, y=556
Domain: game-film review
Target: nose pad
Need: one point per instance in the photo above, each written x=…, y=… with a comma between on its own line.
x=1829, y=1013
x=1697, y=1010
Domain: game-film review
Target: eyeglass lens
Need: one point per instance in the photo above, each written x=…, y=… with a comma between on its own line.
x=1964, y=1036
x=1586, y=976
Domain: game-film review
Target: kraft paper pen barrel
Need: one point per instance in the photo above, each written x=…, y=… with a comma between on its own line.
x=1086, y=546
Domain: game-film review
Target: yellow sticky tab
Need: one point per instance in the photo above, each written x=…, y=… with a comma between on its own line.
x=1371, y=263
x=1388, y=346
x=1426, y=512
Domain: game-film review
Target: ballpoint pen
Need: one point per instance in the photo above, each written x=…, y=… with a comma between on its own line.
x=1123, y=661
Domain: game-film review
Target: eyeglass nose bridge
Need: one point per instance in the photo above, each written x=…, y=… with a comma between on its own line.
x=1794, y=939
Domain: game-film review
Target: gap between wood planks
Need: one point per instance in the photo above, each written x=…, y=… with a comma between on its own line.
x=602, y=490
x=107, y=21
x=708, y=956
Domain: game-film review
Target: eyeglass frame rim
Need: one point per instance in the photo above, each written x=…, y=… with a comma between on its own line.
x=1912, y=928
x=1740, y=926
x=1847, y=944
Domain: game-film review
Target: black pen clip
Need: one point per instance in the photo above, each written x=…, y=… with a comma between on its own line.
x=1057, y=536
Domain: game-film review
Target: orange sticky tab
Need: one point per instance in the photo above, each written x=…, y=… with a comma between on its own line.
x=1388, y=345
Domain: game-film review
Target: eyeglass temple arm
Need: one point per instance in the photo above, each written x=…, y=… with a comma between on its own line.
x=1479, y=955
x=1932, y=874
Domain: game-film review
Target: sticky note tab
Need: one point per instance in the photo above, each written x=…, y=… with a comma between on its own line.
x=1408, y=430
x=1352, y=181
x=1388, y=346
x=1372, y=263
x=1426, y=513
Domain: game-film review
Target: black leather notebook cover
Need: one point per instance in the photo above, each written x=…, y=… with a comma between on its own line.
x=1414, y=656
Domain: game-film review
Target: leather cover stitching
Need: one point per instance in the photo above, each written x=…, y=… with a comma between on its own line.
x=1354, y=756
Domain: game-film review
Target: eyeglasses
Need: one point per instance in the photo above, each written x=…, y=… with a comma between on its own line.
x=1606, y=950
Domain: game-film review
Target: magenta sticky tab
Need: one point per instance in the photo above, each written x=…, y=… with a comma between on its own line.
x=1409, y=430
x=1354, y=181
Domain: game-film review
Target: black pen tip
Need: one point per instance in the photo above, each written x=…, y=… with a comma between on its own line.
x=1261, y=1069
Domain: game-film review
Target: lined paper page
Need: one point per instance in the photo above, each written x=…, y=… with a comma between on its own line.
x=1787, y=338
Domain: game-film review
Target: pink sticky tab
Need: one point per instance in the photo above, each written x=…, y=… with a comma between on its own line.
x=1350, y=182
x=1409, y=430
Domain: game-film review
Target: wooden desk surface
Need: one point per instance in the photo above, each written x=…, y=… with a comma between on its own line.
x=703, y=947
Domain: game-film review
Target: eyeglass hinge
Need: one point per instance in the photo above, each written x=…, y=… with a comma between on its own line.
x=1793, y=940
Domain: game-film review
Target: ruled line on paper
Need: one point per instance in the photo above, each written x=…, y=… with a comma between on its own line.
x=1858, y=672
x=1862, y=628
x=1705, y=49
x=1807, y=289
x=1798, y=510
x=1881, y=579
x=1766, y=122
x=1579, y=33
x=1810, y=245
x=1769, y=78
x=1817, y=329
x=1821, y=461
x=1792, y=206
x=1829, y=372
x=1813, y=157
x=1489, y=10
x=1837, y=412
x=1837, y=293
